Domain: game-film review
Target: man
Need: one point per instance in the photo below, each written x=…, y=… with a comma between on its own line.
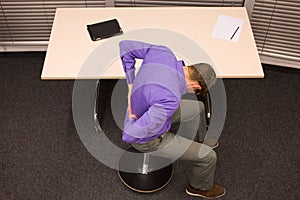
x=154, y=103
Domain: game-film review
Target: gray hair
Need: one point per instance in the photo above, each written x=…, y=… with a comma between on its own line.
x=204, y=74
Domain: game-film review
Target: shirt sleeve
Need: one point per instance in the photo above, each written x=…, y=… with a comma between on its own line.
x=129, y=51
x=154, y=121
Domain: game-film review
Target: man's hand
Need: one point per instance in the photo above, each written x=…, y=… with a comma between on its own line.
x=129, y=103
x=130, y=115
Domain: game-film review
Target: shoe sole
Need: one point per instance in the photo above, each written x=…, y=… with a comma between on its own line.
x=216, y=145
x=199, y=195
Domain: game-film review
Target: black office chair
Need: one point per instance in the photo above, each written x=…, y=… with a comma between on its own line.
x=143, y=172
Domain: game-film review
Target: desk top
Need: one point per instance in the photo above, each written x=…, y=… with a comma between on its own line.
x=70, y=47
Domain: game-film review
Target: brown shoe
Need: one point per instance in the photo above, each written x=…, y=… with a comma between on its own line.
x=215, y=192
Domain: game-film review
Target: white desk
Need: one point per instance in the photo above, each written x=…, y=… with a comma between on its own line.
x=70, y=44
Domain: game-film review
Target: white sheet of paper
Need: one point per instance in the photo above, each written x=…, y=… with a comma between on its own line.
x=228, y=28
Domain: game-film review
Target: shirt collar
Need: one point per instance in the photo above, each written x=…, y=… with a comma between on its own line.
x=180, y=64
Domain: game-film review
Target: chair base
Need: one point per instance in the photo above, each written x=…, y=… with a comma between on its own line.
x=145, y=183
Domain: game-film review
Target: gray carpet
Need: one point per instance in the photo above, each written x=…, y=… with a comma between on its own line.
x=42, y=156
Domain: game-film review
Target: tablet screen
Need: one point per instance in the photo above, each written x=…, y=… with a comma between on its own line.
x=104, y=29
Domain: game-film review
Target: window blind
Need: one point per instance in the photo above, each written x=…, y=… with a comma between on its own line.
x=29, y=22
x=276, y=28
x=146, y=3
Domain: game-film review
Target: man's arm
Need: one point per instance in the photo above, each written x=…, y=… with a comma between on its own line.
x=148, y=125
x=129, y=51
x=154, y=120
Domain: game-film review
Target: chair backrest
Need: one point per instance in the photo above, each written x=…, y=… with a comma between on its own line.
x=207, y=103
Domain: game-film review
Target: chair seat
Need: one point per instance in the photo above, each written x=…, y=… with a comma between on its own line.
x=159, y=175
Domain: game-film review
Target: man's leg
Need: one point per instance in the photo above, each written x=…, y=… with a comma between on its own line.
x=202, y=157
x=176, y=147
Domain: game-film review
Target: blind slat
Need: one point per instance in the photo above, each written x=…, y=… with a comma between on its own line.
x=141, y=3
x=259, y=18
x=281, y=53
x=260, y=25
x=271, y=2
x=262, y=36
x=286, y=34
x=280, y=16
x=276, y=45
x=276, y=41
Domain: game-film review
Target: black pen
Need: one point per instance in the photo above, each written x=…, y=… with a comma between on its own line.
x=235, y=32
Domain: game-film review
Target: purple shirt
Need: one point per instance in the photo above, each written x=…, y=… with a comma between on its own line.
x=156, y=92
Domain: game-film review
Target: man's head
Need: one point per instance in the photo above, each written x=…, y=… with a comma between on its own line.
x=200, y=78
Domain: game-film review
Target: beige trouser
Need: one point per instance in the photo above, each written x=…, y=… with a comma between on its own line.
x=185, y=145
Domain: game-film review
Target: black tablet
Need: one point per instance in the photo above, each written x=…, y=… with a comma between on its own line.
x=104, y=29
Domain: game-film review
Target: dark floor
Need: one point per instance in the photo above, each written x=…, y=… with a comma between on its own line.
x=42, y=156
